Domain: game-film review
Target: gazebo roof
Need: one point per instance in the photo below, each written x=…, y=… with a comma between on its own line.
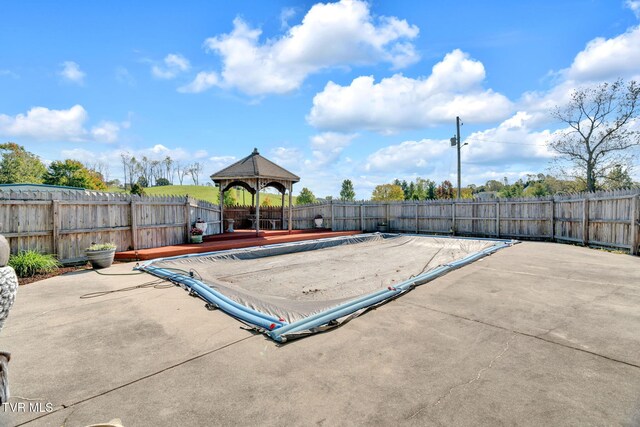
x=254, y=166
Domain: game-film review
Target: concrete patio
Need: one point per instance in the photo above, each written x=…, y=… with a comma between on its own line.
x=536, y=334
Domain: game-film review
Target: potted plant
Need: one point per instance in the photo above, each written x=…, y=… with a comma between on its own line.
x=196, y=235
x=101, y=255
x=383, y=227
x=201, y=225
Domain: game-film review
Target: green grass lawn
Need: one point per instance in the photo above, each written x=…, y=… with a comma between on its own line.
x=210, y=194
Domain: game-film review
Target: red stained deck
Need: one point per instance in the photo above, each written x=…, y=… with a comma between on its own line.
x=236, y=240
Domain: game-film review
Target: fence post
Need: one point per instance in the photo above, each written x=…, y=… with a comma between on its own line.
x=332, y=215
x=553, y=220
x=387, y=215
x=453, y=217
x=498, y=218
x=55, y=214
x=187, y=218
x=417, y=219
x=134, y=224
x=361, y=216
x=635, y=224
x=585, y=221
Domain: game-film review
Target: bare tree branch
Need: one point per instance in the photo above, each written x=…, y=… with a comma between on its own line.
x=601, y=137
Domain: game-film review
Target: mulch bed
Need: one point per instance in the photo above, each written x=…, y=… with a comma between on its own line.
x=58, y=272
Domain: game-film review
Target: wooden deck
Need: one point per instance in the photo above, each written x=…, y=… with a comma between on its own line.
x=236, y=240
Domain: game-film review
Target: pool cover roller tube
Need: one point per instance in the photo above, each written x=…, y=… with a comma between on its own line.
x=277, y=327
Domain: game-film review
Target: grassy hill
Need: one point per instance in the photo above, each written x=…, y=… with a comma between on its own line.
x=209, y=194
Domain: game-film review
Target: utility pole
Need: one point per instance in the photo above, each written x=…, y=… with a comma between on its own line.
x=458, y=137
x=456, y=141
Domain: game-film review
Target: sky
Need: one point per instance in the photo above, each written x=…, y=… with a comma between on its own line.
x=367, y=91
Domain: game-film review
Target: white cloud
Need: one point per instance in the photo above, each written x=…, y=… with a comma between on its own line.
x=174, y=64
x=288, y=158
x=399, y=102
x=203, y=81
x=71, y=72
x=512, y=149
x=105, y=132
x=124, y=76
x=331, y=34
x=634, y=5
x=604, y=59
x=41, y=123
x=601, y=60
x=514, y=141
x=285, y=15
x=327, y=147
x=408, y=156
x=9, y=73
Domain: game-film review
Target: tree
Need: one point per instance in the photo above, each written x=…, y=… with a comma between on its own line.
x=305, y=197
x=194, y=171
x=537, y=189
x=115, y=183
x=445, y=190
x=387, y=192
x=145, y=171
x=347, y=193
x=514, y=190
x=137, y=189
x=125, y=162
x=20, y=166
x=493, y=185
x=156, y=171
x=168, y=163
x=133, y=168
x=181, y=171
x=430, y=190
x=617, y=179
x=72, y=173
x=100, y=167
x=599, y=134
x=412, y=192
x=160, y=182
x=142, y=182
x=228, y=199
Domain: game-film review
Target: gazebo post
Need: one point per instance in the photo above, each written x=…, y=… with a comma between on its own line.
x=290, y=207
x=282, y=210
x=222, y=207
x=257, y=207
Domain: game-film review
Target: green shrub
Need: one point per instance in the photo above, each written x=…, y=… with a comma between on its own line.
x=29, y=263
x=101, y=247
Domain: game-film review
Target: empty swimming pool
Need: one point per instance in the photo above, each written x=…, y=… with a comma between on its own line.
x=296, y=289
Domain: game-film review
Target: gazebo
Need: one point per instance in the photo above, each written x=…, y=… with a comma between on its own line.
x=254, y=173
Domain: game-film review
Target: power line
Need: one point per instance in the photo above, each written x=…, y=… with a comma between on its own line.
x=505, y=142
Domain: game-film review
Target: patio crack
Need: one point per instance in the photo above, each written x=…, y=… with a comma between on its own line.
x=168, y=368
x=525, y=334
x=467, y=383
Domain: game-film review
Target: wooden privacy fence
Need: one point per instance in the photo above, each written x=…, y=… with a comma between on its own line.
x=609, y=219
x=65, y=223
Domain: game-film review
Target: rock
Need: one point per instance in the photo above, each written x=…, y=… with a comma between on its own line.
x=4, y=251
x=8, y=289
